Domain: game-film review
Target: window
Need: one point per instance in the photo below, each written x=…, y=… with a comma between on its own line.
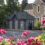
x=38, y=9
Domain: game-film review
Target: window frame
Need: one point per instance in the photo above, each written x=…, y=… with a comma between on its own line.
x=38, y=8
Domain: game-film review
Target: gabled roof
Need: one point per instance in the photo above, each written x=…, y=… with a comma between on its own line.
x=21, y=15
x=29, y=6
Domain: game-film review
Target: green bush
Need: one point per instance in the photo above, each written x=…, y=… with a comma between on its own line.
x=37, y=25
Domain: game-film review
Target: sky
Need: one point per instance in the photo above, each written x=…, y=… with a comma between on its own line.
x=29, y=1
x=5, y=1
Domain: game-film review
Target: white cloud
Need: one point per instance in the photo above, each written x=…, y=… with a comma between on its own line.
x=20, y=1
x=29, y=1
x=5, y=2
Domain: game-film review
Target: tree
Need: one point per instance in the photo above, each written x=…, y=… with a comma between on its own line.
x=12, y=6
x=1, y=1
x=3, y=16
x=7, y=10
x=24, y=3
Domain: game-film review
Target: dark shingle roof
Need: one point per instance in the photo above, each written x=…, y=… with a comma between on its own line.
x=29, y=6
x=21, y=15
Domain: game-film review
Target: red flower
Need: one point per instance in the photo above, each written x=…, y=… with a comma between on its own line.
x=10, y=44
x=18, y=44
x=11, y=38
x=28, y=41
x=27, y=32
x=38, y=43
x=43, y=21
x=24, y=34
x=2, y=31
x=32, y=38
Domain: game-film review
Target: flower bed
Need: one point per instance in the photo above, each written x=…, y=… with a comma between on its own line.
x=40, y=40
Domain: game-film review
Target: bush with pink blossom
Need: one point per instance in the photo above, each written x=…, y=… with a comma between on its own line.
x=43, y=24
x=40, y=40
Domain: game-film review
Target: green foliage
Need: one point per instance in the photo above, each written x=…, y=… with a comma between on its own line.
x=1, y=1
x=3, y=16
x=37, y=25
x=7, y=43
x=3, y=42
x=7, y=10
x=42, y=40
x=12, y=6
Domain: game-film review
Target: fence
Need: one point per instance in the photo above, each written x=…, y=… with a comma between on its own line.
x=19, y=30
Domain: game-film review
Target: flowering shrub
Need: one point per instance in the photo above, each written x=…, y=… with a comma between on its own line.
x=40, y=40
x=43, y=24
x=43, y=21
x=37, y=25
x=2, y=31
x=25, y=34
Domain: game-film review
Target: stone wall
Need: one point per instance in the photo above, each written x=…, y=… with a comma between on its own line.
x=23, y=24
x=35, y=8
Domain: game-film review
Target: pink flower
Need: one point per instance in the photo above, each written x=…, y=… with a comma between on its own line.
x=27, y=32
x=7, y=40
x=38, y=43
x=2, y=31
x=18, y=40
x=28, y=41
x=25, y=44
x=18, y=44
x=11, y=38
x=43, y=21
x=22, y=42
x=1, y=38
x=32, y=38
x=24, y=34
x=10, y=44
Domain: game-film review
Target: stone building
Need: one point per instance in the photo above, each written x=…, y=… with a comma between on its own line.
x=25, y=20
x=21, y=20
x=36, y=9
